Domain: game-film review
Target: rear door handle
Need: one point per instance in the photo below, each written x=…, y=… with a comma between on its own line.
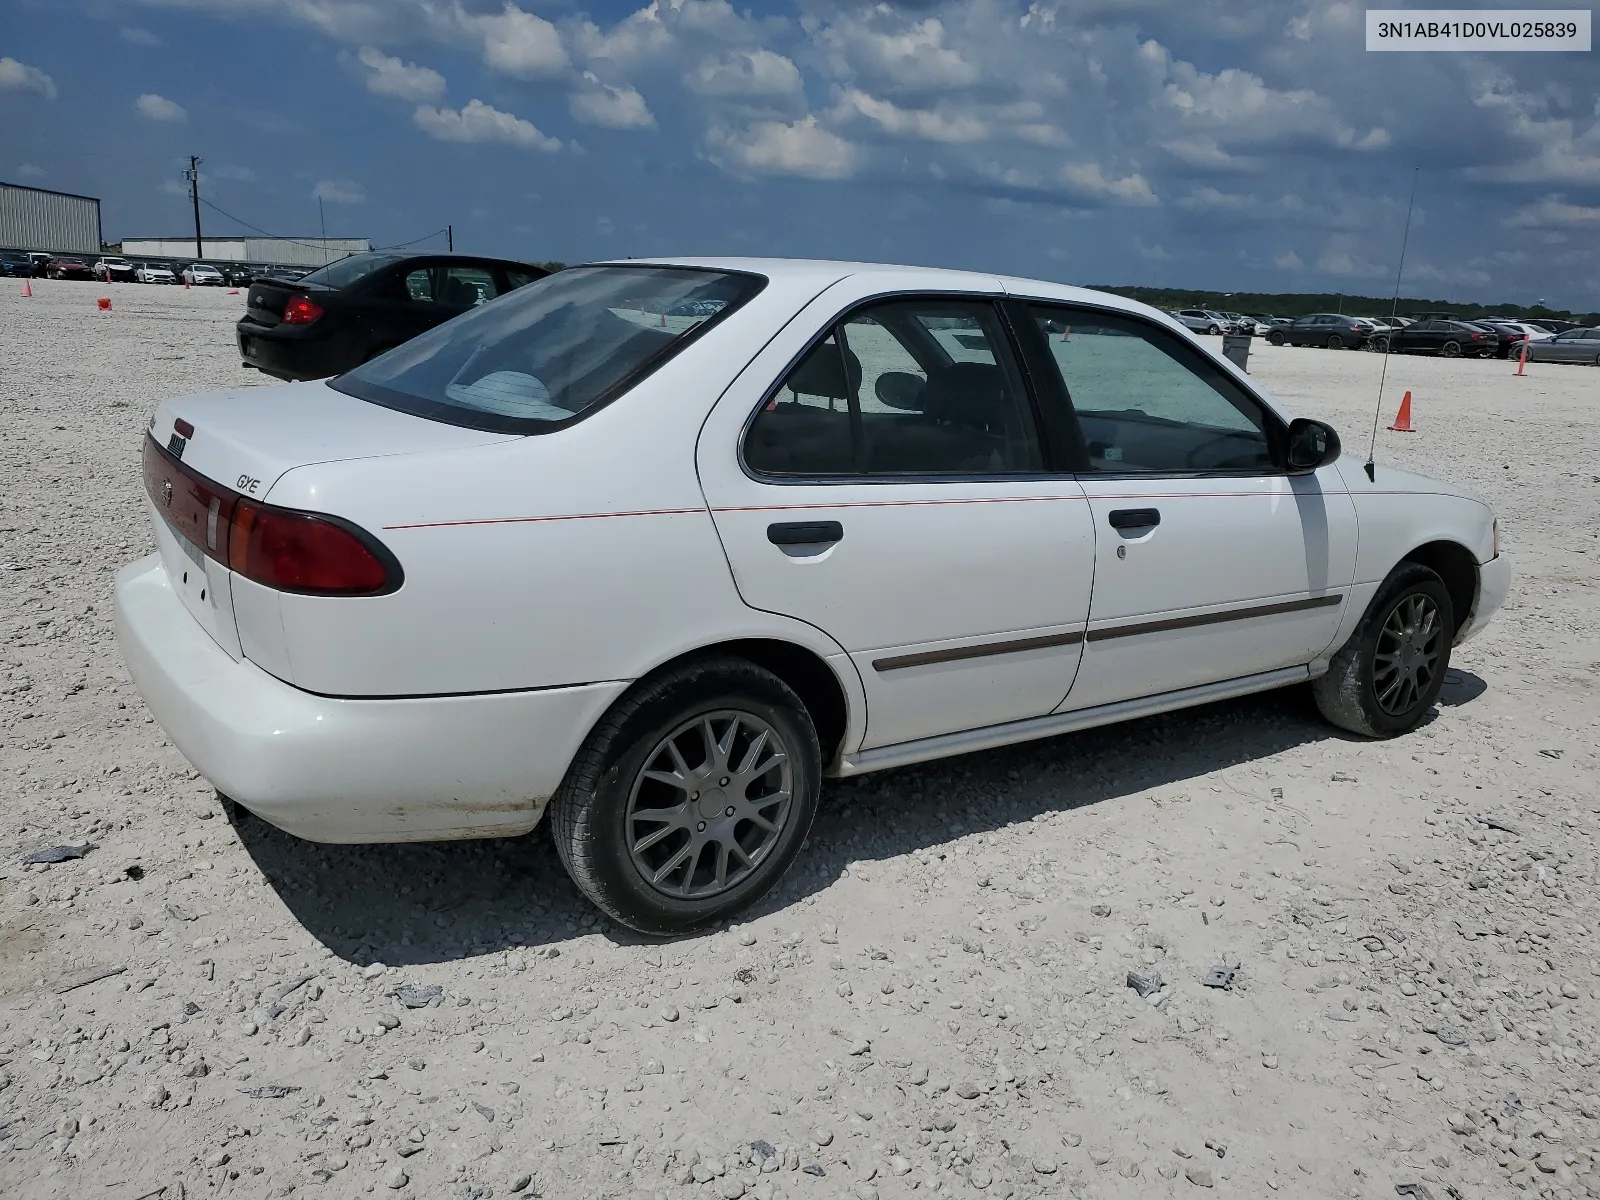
x=1135, y=518
x=804, y=533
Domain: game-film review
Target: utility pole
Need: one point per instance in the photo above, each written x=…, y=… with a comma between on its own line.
x=450, y=238
x=193, y=176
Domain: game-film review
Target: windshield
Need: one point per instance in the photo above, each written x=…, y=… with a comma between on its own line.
x=548, y=352
x=347, y=270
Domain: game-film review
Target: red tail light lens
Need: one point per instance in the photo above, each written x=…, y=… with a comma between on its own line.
x=1478, y=337
x=302, y=552
x=280, y=548
x=301, y=310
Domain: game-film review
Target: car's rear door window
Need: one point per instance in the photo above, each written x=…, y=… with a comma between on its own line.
x=915, y=387
x=1148, y=402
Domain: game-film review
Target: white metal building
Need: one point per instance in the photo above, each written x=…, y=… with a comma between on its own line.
x=269, y=251
x=37, y=219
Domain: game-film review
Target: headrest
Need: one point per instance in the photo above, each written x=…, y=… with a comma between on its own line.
x=819, y=374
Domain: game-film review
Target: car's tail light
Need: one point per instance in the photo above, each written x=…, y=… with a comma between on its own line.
x=1478, y=337
x=301, y=310
x=281, y=548
x=302, y=552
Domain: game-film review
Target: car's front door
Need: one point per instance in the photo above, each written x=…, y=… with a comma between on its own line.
x=1213, y=563
x=883, y=476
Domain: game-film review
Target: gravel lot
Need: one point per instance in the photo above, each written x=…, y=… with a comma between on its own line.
x=936, y=1001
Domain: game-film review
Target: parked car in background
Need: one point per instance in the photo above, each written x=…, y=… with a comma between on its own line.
x=40, y=261
x=1332, y=330
x=1553, y=325
x=1266, y=324
x=147, y=272
x=1509, y=336
x=341, y=315
x=69, y=268
x=1575, y=345
x=553, y=555
x=1533, y=333
x=1449, y=339
x=239, y=274
x=203, y=274
x=114, y=270
x=1203, y=320
x=15, y=264
x=1242, y=323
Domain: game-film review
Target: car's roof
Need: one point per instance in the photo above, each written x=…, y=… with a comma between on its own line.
x=822, y=272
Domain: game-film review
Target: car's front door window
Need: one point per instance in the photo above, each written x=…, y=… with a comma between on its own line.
x=1149, y=403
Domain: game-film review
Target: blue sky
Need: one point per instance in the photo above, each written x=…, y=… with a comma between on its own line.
x=1214, y=143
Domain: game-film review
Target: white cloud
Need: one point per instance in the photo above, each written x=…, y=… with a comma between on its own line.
x=387, y=76
x=1341, y=262
x=29, y=171
x=912, y=57
x=801, y=147
x=1088, y=180
x=1554, y=211
x=234, y=173
x=339, y=191
x=159, y=108
x=140, y=37
x=746, y=73
x=521, y=44
x=907, y=122
x=479, y=122
x=610, y=107
x=1288, y=260
x=1151, y=253
x=20, y=75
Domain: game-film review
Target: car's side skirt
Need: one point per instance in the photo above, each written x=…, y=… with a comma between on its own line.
x=970, y=740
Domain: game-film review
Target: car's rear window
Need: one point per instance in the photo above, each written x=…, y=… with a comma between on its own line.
x=546, y=354
x=347, y=270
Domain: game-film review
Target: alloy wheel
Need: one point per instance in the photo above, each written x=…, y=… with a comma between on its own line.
x=1407, y=655
x=709, y=804
x=1451, y=350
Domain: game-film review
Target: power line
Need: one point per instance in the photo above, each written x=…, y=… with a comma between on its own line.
x=294, y=242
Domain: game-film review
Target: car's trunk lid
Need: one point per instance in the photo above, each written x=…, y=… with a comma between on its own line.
x=265, y=301
x=240, y=443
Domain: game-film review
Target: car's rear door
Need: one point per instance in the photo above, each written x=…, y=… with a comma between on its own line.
x=1212, y=562
x=879, y=471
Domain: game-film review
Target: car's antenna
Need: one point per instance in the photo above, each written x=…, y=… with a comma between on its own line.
x=1388, y=340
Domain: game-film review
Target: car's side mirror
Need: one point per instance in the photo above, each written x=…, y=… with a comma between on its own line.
x=1312, y=444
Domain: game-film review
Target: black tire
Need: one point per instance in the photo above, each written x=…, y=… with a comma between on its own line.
x=1381, y=345
x=1349, y=694
x=1214, y=330
x=1451, y=349
x=1275, y=338
x=1335, y=342
x=589, y=812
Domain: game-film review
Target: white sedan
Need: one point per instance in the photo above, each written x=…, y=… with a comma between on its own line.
x=662, y=574
x=154, y=273
x=202, y=275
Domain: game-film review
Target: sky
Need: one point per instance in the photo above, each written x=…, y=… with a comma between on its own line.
x=1248, y=145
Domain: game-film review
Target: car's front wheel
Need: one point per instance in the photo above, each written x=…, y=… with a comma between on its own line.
x=1383, y=681
x=691, y=798
x=1380, y=345
x=1276, y=338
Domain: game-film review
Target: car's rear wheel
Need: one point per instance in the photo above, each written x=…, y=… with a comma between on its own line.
x=1381, y=345
x=1387, y=676
x=1335, y=342
x=1451, y=349
x=691, y=798
x=1275, y=338
x=1213, y=330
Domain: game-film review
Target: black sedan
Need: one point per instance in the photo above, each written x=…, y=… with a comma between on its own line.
x=347, y=312
x=1332, y=330
x=1450, y=339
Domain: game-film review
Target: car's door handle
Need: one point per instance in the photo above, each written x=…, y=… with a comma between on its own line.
x=1135, y=518
x=804, y=533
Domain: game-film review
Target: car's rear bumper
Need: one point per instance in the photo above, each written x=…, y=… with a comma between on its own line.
x=332, y=770
x=295, y=354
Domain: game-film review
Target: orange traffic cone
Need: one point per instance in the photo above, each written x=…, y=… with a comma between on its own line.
x=104, y=303
x=186, y=285
x=1522, y=359
x=27, y=289
x=1066, y=333
x=1402, y=419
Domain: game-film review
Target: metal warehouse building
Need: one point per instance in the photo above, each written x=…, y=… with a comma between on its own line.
x=58, y=222
x=268, y=251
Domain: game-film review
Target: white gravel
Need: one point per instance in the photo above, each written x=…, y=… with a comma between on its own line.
x=936, y=1001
